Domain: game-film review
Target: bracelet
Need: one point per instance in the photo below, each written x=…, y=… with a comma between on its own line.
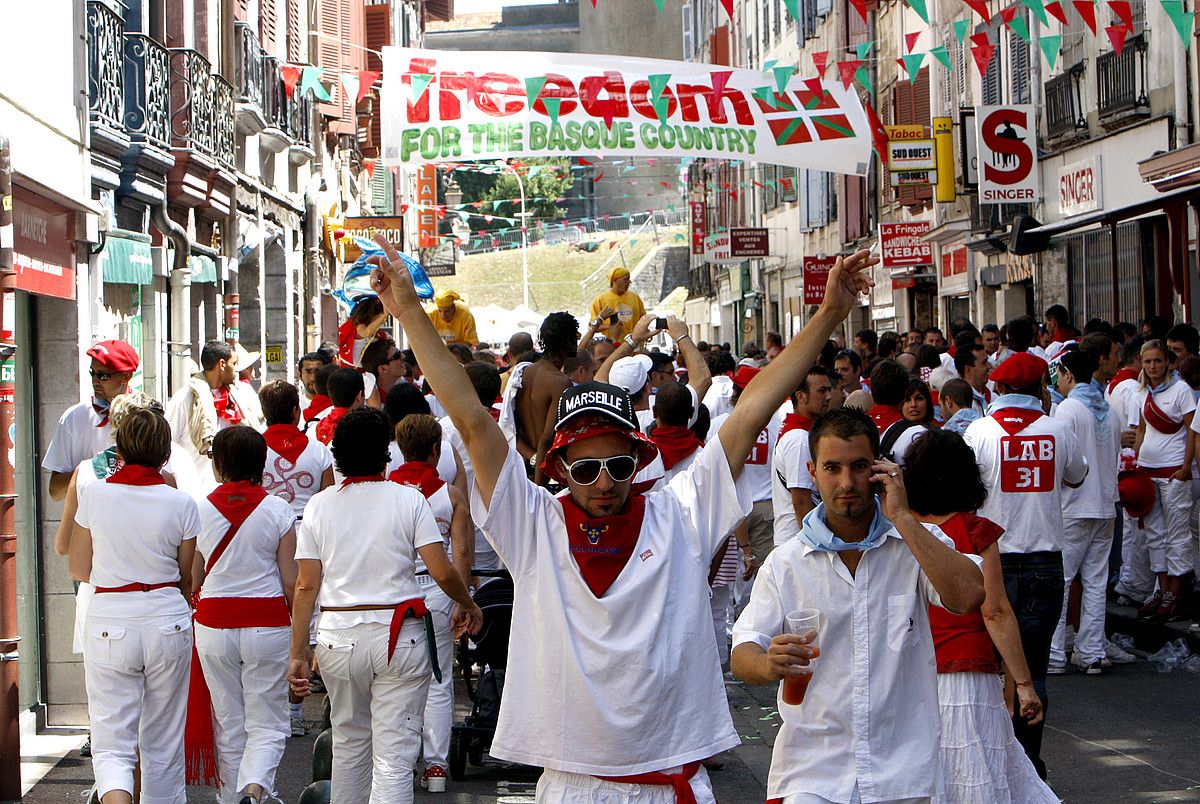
x=681, y=337
x=631, y=342
x=596, y=324
x=1024, y=683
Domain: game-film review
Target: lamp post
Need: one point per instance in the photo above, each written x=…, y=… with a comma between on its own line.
x=524, y=238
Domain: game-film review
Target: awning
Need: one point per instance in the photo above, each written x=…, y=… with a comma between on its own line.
x=1106, y=216
x=127, y=259
x=204, y=269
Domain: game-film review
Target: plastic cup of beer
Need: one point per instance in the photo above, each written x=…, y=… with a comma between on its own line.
x=806, y=623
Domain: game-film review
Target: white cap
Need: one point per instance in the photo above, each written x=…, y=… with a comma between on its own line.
x=631, y=373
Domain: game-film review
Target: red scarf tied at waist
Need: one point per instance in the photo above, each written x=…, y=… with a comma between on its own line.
x=418, y=475
x=885, y=416
x=327, y=426
x=1158, y=418
x=794, y=421
x=132, y=474
x=287, y=441
x=236, y=502
x=674, y=443
x=681, y=782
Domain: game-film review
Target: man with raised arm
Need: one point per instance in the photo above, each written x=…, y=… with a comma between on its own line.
x=618, y=691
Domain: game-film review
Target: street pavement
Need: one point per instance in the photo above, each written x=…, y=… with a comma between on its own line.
x=1125, y=736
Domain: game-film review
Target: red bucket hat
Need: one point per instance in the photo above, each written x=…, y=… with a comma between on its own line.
x=590, y=410
x=116, y=356
x=1137, y=493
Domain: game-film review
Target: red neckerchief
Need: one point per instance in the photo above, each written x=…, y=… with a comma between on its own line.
x=101, y=411
x=326, y=426
x=674, y=443
x=602, y=547
x=235, y=501
x=1121, y=376
x=1158, y=418
x=287, y=441
x=418, y=475
x=1014, y=420
x=317, y=404
x=352, y=479
x=885, y=416
x=133, y=474
x=794, y=421
x=347, y=334
x=226, y=405
x=495, y=414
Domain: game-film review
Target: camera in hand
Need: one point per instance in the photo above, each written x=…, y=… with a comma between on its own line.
x=660, y=323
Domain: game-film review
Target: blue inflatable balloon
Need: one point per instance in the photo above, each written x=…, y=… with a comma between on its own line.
x=356, y=285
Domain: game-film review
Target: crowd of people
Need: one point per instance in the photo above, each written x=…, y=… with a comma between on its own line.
x=894, y=531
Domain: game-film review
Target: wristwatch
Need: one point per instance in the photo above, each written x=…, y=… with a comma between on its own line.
x=632, y=343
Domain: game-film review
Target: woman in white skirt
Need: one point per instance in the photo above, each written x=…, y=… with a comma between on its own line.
x=981, y=761
x=245, y=571
x=135, y=542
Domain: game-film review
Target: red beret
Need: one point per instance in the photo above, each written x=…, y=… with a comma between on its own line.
x=1137, y=492
x=1020, y=370
x=743, y=376
x=116, y=356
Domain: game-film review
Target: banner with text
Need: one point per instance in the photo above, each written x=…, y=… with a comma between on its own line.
x=904, y=245
x=446, y=105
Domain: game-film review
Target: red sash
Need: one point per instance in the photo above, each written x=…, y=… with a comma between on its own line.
x=1014, y=420
x=132, y=474
x=243, y=612
x=1121, y=376
x=136, y=587
x=680, y=782
x=885, y=416
x=602, y=547
x=794, y=421
x=1157, y=418
x=235, y=501
x=414, y=608
x=674, y=443
x=1161, y=473
x=287, y=441
x=318, y=403
x=327, y=426
x=418, y=475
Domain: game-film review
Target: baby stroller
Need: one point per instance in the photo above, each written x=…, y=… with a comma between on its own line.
x=482, y=659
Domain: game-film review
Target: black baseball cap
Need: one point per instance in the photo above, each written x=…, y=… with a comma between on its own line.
x=597, y=399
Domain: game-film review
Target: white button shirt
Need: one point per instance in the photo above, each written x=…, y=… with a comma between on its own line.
x=870, y=715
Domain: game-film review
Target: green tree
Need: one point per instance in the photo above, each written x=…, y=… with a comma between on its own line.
x=546, y=180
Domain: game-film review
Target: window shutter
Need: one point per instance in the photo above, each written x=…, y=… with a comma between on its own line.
x=353, y=38
x=816, y=198
x=802, y=195
x=770, y=187
x=294, y=54
x=329, y=50
x=824, y=7
x=266, y=25
x=378, y=22
x=853, y=191
x=381, y=190
x=1018, y=50
x=241, y=10
x=778, y=17
x=688, y=37
x=992, y=80
x=831, y=196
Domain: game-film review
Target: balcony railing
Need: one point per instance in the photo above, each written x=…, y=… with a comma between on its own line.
x=105, y=85
x=1121, y=80
x=201, y=107
x=250, y=66
x=1064, y=107
x=299, y=126
x=147, y=90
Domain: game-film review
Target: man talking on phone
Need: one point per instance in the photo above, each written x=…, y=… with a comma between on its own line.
x=616, y=693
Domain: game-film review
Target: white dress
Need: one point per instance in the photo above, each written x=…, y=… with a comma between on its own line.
x=980, y=760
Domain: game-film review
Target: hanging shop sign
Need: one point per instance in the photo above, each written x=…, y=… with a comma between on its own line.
x=1008, y=165
x=749, y=243
x=447, y=105
x=699, y=225
x=427, y=218
x=816, y=275
x=44, y=246
x=717, y=250
x=391, y=228
x=902, y=245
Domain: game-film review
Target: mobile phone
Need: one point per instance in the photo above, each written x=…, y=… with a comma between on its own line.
x=614, y=319
x=660, y=323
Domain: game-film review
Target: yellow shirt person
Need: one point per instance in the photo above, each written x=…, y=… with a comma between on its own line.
x=453, y=319
x=627, y=304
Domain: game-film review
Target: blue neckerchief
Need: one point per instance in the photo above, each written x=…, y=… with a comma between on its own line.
x=1167, y=383
x=961, y=419
x=1014, y=401
x=816, y=533
x=1093, y=397
x=1099, y=386
x=1055, y=396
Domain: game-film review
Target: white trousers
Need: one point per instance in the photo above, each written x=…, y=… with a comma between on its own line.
x=721, y=601
x=439, y=705
x=1136, y=579
x=559, y=787
x=137, y=672
x=1168, y=529
x=375, y=708
x=1086, y=545
x=245, y=669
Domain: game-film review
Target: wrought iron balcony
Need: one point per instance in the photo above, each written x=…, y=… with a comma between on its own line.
x=201, y=107
x=251, y=74
x=300, y=119
x=1064, y=105
x=1121, y=82
x=147, y=90
x=105, y=81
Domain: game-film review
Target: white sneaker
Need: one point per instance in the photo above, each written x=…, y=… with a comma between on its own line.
x=1115, y=654
x=1056, y=669
x=299, y=726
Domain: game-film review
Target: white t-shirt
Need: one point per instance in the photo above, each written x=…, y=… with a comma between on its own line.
x=1160, y=450
x=443, y=514
x=755, y=478
x=1024, y=474
x=249, y=567
x=1101, y=445
x=366, y=536
x=485, y=557
x=904, y=441
x=719, y=398
x=77, y=438
x=1124, y=400
x=789, y=471
x=295, y=483
x=136, y=533
x=870, y=714
x=645, y=418
x=435, y=407
x=599, y=686
x=447, y=468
